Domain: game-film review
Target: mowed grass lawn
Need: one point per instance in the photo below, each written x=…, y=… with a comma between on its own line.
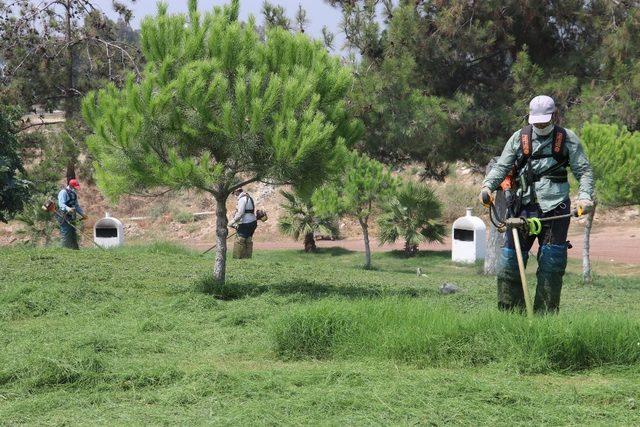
x=136, y=336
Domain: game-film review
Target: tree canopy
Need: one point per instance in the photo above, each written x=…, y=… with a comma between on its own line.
x=14, y=191
x=438, y=81
x=615, y=158
x=359, y=191
x=412, y=214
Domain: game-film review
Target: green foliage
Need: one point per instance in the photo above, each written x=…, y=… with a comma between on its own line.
x=14, y=191
x=435, y=335
x=357, y=192
x=614, y=154
x=183, y=217
x=300, y=218
x=412, y=214
x=217, y=105
x=45, y=62
x=451, y=80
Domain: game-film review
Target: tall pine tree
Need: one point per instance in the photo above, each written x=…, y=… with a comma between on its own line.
x=217, y=107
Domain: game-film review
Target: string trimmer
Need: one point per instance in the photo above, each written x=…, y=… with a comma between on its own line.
x=260, y=216
x=528, y=226
x=50, y=206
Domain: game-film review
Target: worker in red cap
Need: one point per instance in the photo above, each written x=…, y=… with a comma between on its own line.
x=69, y=209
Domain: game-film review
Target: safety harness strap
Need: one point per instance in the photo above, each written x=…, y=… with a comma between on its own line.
x=253, y=205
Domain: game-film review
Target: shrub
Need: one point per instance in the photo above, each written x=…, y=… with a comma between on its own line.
x=614, y=154
x=183, y=217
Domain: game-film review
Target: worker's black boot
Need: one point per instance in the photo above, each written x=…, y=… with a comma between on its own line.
x=552, y=262
x=510, y=294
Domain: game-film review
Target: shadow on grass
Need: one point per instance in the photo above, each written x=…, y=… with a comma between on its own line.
x=335, y=251
x=313, y=290
x=422, y=254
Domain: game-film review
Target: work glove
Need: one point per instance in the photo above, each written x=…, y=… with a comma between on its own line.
x=84, y=217
x=584, y=206
x=71, y=210
x=485, y=197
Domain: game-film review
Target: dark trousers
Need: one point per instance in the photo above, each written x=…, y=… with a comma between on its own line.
x=553, y=232
x=552, y=261
x=247, y=230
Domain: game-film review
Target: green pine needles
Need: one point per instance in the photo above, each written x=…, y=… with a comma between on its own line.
x=218, y=107
x=364, y=186
x=614, y=153
x=14, y=191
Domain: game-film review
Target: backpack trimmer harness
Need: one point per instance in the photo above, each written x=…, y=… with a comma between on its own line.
x=522, y=177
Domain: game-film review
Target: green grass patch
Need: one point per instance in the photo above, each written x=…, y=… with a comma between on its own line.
x=430, y=334
x=140, y=335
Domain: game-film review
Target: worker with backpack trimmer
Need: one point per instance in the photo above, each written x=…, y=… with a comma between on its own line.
x=533, y=169
x=245, y=221
x=68, y=210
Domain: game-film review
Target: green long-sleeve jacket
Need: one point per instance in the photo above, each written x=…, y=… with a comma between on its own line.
x=549, y=194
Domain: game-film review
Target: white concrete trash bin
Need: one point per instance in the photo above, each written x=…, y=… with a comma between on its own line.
x=108, y=232
x=469, y=238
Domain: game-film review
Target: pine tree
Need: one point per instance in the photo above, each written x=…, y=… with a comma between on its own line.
x=360, y=190
x=14, y=191
x=614, y=154
x=412, y=214
x=217, y=107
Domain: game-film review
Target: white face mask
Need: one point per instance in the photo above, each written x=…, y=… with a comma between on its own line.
x=543, y=131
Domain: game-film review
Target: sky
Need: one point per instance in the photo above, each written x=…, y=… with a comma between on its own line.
x=318, y=12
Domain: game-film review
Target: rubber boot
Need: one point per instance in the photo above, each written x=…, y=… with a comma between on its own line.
x=510, y=293
x=552, y=263
x=249, y=247
x=239, y=245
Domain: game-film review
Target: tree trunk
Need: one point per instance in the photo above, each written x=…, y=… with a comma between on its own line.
x=69, y=96
x=71, y=170
x=221, y=238
x=309, y=243
x=586, y=261
x=367, y=247
x=496, y=239
x=68, y=108
x=410, y=249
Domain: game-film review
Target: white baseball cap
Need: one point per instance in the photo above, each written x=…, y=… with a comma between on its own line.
x=541, y=108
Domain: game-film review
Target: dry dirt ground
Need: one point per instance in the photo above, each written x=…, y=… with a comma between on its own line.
x=615, y=236
x=608, y=244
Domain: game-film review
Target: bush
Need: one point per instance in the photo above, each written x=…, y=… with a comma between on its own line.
x=614, y=154
x=434, y=335
x=456, y=198
x=183, y=217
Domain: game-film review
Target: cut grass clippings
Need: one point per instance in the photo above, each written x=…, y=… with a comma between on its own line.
x=141, y=335
x=429, y=334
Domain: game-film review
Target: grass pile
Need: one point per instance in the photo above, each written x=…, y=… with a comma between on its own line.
x=136, y=336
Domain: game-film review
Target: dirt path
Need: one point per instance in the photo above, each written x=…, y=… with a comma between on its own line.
x=608, y=244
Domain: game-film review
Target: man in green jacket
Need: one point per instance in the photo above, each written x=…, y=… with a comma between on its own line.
x=539, y=155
